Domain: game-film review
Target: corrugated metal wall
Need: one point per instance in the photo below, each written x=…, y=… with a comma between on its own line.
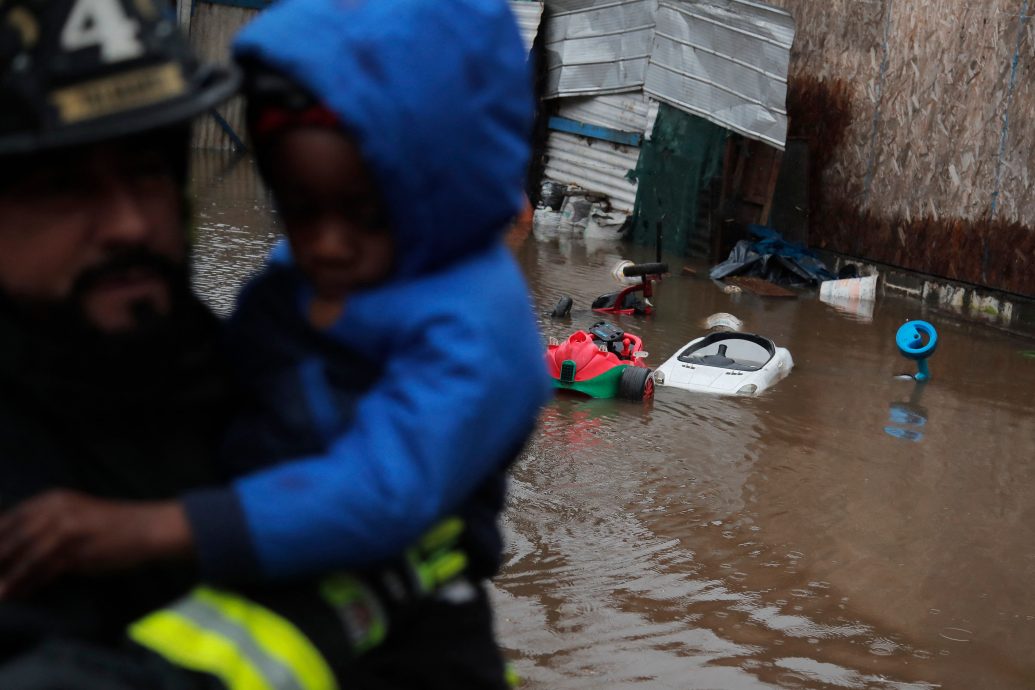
x=594, y=165
x=724, y=60
x=726, y=63
x=626, y=112
x=601, y=49
x=529, y=14
x=183, y=8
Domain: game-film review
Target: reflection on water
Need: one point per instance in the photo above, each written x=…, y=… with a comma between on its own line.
x=784, y=541
x=235, y=227
x=908, y=419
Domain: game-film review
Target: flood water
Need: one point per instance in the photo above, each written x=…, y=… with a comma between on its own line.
x=843, y=530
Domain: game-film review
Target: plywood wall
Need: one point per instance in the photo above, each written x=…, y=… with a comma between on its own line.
x=841, y=40
x=1018, y=173
x=933, y=88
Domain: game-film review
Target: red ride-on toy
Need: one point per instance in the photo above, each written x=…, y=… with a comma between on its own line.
x=629, y=299
x=603, y=362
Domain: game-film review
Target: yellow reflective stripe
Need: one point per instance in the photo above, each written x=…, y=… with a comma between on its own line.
x=276, y=636
x=447, y=566
x=186, y=644
x=512, y=677
x=444, y=533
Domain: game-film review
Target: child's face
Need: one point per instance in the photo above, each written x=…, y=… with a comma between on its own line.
x=332, y=213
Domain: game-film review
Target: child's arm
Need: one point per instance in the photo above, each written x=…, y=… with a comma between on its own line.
x=460, y=394
x=459, y=397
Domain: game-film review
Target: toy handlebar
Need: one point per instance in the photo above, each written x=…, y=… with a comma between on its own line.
x=644, y=269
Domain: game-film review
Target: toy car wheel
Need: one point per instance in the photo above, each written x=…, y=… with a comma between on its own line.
x=563, y=308
x=636, y=383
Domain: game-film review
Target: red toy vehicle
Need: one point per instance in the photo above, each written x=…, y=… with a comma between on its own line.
x=604, y=362
x=627, y=300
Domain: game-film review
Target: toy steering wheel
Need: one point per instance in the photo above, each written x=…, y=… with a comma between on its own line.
x=910, y=340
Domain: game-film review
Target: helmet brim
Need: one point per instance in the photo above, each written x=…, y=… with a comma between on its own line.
x=212, y=86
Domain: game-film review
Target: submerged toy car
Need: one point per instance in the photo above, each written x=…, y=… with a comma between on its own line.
x=603, y=362
x=727, y=364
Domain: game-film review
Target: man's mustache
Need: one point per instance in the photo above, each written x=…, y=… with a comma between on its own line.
x=125, y=262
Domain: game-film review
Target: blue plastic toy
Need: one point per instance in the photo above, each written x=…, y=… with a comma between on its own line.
x=911, y=343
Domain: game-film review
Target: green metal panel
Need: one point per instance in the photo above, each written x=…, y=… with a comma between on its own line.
x=683, y=155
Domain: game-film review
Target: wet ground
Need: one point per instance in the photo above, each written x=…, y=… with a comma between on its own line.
x=844, y=530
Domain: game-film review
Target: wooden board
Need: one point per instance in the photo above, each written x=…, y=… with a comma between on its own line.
x=762, y=288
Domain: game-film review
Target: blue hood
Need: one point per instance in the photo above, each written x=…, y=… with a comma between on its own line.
x=438, y=95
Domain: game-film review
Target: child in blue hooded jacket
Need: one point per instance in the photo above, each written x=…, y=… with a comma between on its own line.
x=392, y=357
x=391, y=360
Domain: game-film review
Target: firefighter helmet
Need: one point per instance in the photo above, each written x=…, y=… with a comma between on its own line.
x=80, y=71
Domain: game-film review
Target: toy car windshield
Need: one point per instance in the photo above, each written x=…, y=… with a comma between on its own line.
x=738, y=352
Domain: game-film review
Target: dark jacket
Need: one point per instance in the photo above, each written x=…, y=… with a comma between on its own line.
x=133, y=419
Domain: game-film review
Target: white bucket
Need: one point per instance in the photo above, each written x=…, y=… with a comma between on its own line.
x=854, y=296
x=863, y=289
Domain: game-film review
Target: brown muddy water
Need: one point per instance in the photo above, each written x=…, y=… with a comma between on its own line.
x=843, y=530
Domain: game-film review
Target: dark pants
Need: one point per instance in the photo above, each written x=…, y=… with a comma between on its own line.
x=442, y=646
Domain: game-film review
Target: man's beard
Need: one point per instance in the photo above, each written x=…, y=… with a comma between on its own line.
x=68, y=318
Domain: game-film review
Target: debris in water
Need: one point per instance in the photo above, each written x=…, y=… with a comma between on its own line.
x=853, y=296
x=849, y=289
x=762, y=288
x=723, y=322
x=618, y=273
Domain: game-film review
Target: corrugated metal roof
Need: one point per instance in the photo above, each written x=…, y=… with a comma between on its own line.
x=597, y=166
x=599, y=49
x=626, y=112
x=727, y=61
x=529, y=13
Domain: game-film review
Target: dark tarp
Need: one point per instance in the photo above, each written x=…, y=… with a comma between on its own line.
x=774, y=259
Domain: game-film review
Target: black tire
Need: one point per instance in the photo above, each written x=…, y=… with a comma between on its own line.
x=563, y=308
x=645, y=269
x=635, y=383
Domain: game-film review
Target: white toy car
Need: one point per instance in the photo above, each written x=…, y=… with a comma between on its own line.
x=726, y=364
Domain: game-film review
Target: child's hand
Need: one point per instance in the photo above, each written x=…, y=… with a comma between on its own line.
x=62, y=532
